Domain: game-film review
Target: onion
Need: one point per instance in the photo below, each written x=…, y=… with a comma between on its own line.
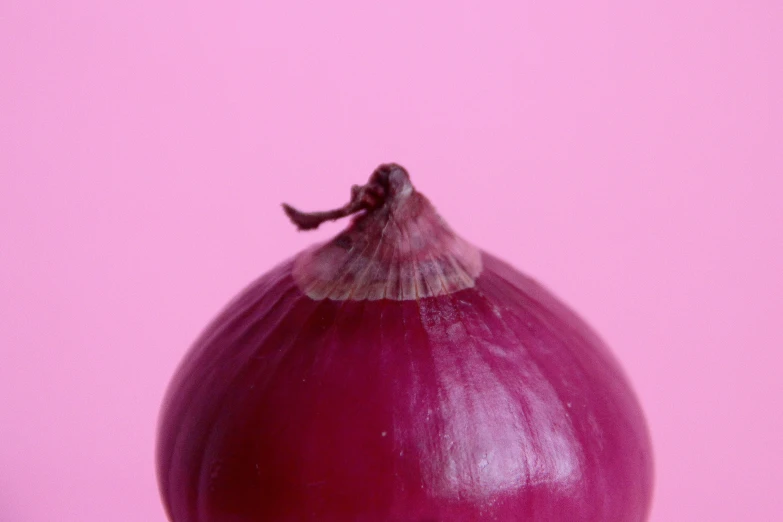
x=398, y=373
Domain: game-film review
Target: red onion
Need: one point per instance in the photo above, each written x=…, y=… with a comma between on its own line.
x=397, y=373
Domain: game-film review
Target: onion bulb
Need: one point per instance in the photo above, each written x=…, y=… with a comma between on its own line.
x=397, y=373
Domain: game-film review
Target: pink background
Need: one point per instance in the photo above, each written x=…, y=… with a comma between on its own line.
x=628, y=156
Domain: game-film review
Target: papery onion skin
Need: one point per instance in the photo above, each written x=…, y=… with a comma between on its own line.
x=490, y=402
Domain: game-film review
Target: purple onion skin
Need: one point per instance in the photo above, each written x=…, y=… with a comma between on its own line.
x=493, y=402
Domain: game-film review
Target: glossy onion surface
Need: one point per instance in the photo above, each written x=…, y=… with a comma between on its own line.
x=491, y=402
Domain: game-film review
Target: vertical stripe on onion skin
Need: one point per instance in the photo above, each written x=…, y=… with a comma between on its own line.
x=399, y=374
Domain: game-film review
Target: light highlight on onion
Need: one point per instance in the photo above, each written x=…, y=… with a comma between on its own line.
x=399, y=374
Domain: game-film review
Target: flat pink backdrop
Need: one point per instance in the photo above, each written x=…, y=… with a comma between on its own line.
x=628, y=156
